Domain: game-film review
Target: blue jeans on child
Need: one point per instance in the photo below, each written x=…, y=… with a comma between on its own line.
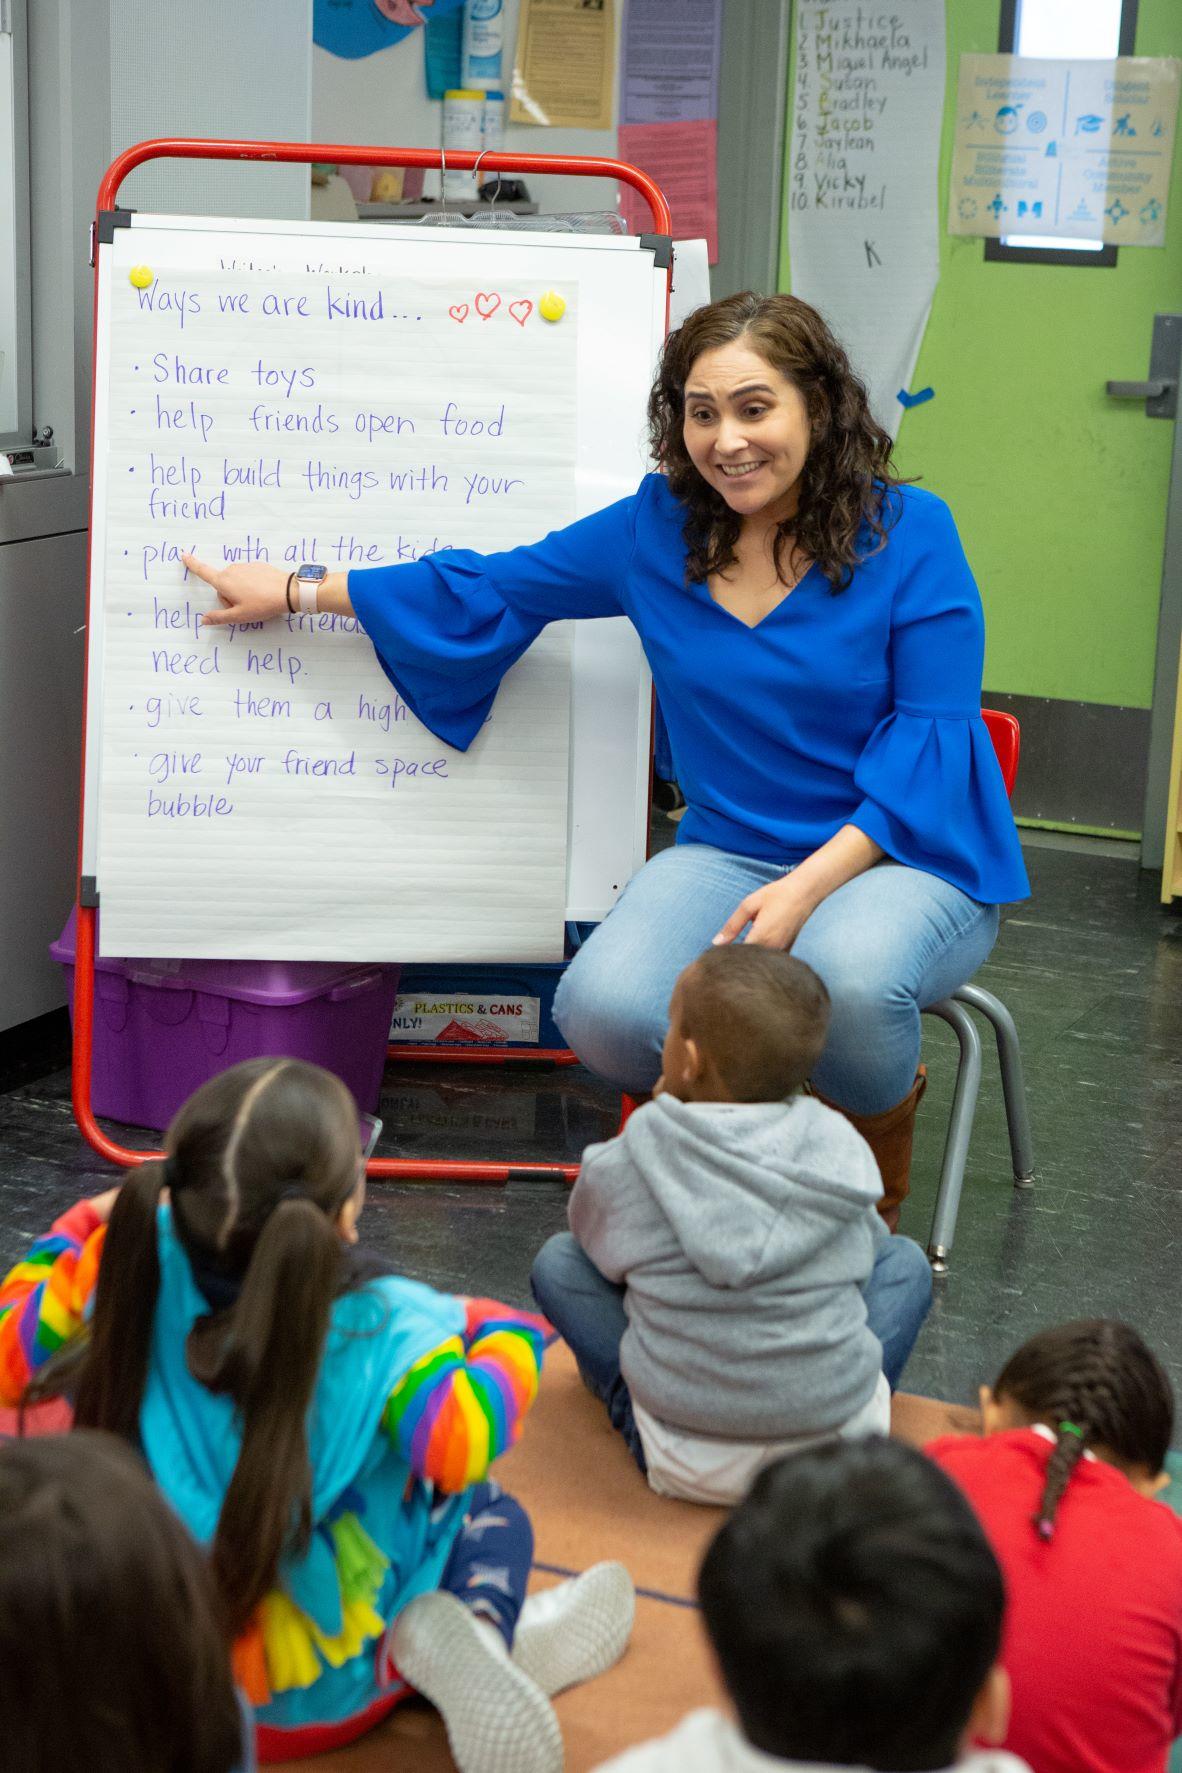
x=885, y=945
x=588, y=1312
x=490, y=1561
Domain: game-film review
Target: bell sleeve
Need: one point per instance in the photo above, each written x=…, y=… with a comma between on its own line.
x=934, y=797
x=47, y=1298
x=447, y=628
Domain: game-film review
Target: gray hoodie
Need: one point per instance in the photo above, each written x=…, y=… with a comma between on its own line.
x=743, y=1234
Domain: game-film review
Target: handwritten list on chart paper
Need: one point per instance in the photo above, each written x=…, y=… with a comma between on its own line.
x=265, y=791
x=863, y=242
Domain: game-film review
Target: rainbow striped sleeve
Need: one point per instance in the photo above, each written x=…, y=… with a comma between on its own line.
x=45, y=1299
x=463, y=1403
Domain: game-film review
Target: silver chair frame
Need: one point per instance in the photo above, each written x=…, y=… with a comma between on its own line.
x=954, y=1010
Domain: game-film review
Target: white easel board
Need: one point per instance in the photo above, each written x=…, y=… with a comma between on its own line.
x=354, y=395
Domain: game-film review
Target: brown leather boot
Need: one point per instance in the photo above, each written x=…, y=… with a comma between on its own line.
x=889, y=1136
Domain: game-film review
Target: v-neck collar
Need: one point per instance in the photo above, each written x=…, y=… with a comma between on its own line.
x=754, y=627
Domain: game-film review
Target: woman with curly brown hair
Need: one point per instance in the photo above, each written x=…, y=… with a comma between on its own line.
x=816, y=641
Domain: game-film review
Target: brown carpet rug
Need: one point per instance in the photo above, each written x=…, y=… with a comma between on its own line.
x=587, y=1502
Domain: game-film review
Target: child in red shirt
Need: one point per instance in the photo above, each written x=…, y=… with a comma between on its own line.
x=1077, y=1427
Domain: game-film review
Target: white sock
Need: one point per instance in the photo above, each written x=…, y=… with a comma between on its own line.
x=576, y=1630
x=497, y=1719
x=492, y=1632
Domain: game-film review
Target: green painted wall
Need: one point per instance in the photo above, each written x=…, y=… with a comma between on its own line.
x=1059, y=493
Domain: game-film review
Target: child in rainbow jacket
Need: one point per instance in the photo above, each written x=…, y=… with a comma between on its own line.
x=323, y=1426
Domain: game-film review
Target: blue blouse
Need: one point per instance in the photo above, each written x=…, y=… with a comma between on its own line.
x=861, y=707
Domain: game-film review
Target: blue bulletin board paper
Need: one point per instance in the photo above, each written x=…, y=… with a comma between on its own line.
x=356, y=28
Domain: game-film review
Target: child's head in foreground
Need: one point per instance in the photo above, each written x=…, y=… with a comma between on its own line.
x=855, y=1609
x=746, y=1024
x=112, y=1653
x=1097, y=1387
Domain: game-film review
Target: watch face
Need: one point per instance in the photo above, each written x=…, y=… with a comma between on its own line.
x=312, y=573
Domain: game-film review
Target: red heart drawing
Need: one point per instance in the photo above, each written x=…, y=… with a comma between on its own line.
x=487, y=305
x=521, y=311
x=459, y=312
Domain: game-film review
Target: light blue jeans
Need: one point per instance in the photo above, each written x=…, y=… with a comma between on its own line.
x=885, y=945
x=588, y=1312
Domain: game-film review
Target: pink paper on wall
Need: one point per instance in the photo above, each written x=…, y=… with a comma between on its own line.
x=359, y=180
x=683, y=159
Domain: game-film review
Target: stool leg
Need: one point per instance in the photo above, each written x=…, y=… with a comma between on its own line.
x=1009, y=1057
x=960, y=1127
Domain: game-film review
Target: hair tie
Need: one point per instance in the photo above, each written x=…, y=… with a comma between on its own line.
x=1045, y=1529
x=1070, y=1428
x=293, y=1191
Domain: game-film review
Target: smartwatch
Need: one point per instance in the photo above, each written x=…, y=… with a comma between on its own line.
x=307, y=580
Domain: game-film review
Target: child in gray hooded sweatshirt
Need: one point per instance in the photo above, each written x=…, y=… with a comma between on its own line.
x=727, y=1286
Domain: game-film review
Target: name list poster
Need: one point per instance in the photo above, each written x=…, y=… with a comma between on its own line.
x=265, y=792
x=863, y=242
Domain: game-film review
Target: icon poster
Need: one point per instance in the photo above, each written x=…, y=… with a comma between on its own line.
x=1064, y=149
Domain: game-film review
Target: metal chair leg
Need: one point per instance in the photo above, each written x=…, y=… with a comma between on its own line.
x=1009, y=1057
x=960, y=1127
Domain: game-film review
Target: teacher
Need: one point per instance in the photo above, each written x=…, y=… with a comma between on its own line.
x=816, y=641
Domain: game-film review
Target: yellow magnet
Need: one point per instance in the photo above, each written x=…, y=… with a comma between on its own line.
x=551, y=306
x=140, y=276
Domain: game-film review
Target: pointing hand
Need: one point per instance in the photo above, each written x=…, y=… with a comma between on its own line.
x=247, y=591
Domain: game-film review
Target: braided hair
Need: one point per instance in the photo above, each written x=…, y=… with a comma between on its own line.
x=1097, y=1385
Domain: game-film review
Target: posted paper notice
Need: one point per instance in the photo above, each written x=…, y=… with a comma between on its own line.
x=285, y=412
x=863, y=201
x=562, y=72
x=683, y=159
x=1064, y=149
x=669, y=61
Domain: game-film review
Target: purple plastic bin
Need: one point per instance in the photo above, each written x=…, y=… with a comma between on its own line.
x=162, y=1027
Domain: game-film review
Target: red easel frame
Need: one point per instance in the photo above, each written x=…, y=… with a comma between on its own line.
x=199, y=148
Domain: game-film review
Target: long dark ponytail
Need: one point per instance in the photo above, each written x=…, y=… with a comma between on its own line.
x=261, y=1161
x=112, y=1363
x=1097, y=1385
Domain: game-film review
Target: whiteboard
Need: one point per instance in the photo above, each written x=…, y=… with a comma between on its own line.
x=357, y=394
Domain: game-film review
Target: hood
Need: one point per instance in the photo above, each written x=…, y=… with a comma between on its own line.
x=191, y=1436
x=752, y=1190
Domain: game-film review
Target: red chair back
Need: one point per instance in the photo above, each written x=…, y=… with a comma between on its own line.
x=1006, y=734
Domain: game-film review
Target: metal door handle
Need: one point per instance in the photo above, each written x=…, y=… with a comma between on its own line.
x=1140, y=390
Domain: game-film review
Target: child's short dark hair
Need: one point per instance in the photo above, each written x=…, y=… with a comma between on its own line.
x=112, y=1649
x=855, y=1608
x=1095, y=1383
x=760, y=1016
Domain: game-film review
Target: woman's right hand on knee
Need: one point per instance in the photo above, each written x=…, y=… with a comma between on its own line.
x=776, y=914
x=247, y=591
